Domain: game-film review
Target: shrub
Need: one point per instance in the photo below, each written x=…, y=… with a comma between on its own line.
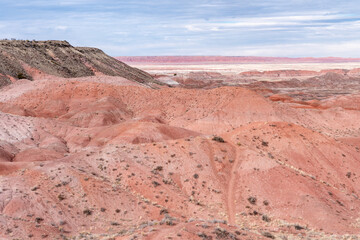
x=218, y=139
x=87, y=212
x=21, y=76
x=252, y=200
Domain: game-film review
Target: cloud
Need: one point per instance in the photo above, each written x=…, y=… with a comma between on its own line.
x=166, y=27
x=62, y=28
x=261, y=22
x=346, y=48
x=50, y=3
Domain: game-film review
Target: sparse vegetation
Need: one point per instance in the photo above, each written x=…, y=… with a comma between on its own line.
x=155, y=183
x=87, y=212
x=39, y=219
x=298, y=227
x=61, y=197
x=265, y=218
x=268, y=235
x=218, y=139
x=252, y=200
x=224, y=234
x=21, y=76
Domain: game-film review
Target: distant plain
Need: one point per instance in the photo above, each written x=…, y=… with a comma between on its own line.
x=238, y=68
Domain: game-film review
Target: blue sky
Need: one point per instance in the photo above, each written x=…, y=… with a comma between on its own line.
x=291, y=28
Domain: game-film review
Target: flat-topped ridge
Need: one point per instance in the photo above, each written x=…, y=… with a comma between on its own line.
x=27, y=59
x=33, y=43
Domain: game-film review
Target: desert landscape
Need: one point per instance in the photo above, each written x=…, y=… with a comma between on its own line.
x=92, y=148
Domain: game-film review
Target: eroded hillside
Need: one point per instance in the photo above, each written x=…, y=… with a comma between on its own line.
x=93, y=158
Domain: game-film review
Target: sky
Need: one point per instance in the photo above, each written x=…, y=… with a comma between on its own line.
x=278, y=28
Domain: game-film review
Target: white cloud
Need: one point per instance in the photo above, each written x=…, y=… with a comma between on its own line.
x=61, y=28
x=255, y=22
x=340, y=49
x=194, y=28
x=49, y=3
x=74, y=2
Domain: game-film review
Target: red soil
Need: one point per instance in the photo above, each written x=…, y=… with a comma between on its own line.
x=108, y=159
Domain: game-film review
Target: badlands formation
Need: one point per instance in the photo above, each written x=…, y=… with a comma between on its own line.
x=91, y=148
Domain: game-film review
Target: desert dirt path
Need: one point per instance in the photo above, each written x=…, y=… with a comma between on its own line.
x=228, y=183
x=230, y=198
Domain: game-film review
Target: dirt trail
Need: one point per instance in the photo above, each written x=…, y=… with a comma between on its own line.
x=228, y=181
x=231, y=188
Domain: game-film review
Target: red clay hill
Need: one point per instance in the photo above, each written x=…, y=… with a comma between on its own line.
x=105, y=157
